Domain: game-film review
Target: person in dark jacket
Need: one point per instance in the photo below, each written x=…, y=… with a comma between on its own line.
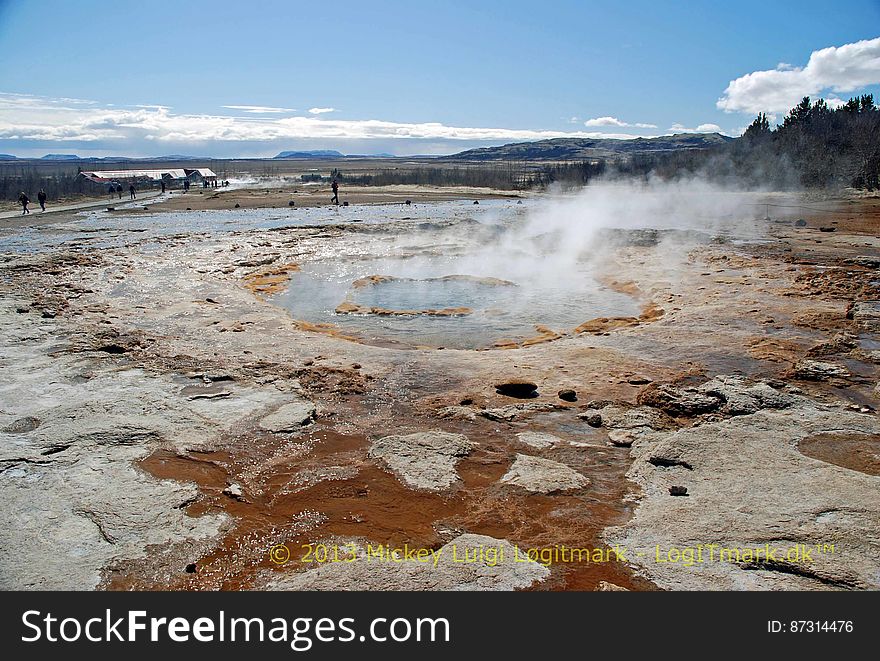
x=335, y=187
x=41, y=198
x=119, y=190
x=24, y=201
x=131, y=194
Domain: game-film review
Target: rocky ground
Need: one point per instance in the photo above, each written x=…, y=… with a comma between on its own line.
x=164, y=425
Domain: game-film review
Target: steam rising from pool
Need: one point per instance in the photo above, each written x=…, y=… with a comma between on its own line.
x=557, y=251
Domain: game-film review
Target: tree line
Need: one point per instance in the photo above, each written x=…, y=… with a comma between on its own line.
x=815, y=146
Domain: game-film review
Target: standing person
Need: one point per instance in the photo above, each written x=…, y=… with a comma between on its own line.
x=131, y=195
x=119, y=190
x=23, y=200
x=335, y=187
x=163, y=185
x=41, y=198
x=111, y=189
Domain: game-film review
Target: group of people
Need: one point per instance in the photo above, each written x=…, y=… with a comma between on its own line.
x=24, y=201
x=116, y=187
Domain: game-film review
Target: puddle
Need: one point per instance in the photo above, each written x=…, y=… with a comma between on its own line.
x=858, y=452
x=322, y=486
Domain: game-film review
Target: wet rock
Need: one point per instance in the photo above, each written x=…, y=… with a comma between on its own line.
x=488, y=571
x=742, y=397
x=678, y=401
x=567, y=395
x=864, y=261
x=840, y=343
x=21, y=426
x=543, y=475
x=289, y=417
x=617, y=416
x=817, y=370
x=424, y=460
x=538, y=440
x=517, y=389
x=755, y=485
x=865, y=313
x=514, y=411
x=622, y=438
x=458, y=413
x=677, y=490
x=233, y=490
x=260, y=261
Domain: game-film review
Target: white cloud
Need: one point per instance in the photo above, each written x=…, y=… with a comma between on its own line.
x=840, y=69
x=24, y=117
x=321, y=111
x=702, y=128
x=613, y=121
x=261, y=110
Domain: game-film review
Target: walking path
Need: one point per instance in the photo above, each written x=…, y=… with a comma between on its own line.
x=106, y=202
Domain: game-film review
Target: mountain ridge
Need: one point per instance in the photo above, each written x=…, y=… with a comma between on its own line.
x=560, y=149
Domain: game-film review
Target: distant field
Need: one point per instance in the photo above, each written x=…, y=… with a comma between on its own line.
x=61, y=182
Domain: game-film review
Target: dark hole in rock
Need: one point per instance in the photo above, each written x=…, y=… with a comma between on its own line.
x=291, y=203
x=666, y=462
x=678, y=491
x=517, y=389
x=190, y=568
x=55, y=450
x=568, y=395
x=467, y=401
x=112, y=348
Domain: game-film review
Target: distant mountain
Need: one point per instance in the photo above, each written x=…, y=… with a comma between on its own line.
x=8, y=157
x=61, y=157
x=174, y=157
x=315, y=153
x=565, y=149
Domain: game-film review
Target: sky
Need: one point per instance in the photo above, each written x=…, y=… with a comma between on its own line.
x=228, y=78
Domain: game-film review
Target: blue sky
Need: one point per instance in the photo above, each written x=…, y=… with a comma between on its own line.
x=226, y=78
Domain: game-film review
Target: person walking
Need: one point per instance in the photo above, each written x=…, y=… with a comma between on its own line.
x=119, y=190
x=131, y=194
x=41, y=198
x=335, y=187
x=111, y=189
x=24, y=201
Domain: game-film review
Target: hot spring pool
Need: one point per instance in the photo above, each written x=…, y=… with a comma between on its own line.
x=428, y=302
